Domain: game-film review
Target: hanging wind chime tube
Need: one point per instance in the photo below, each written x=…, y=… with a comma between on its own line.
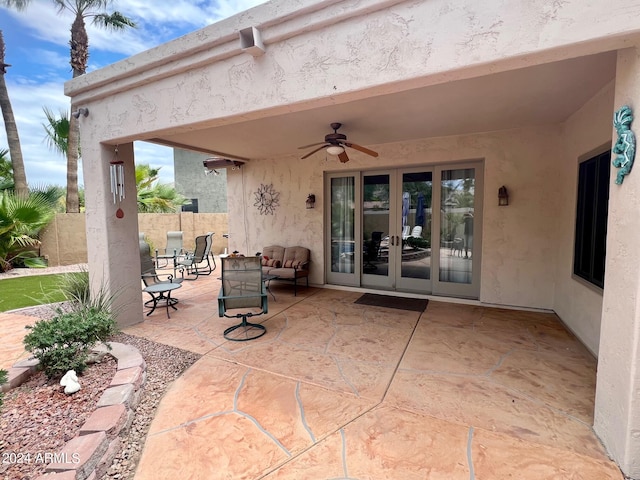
x=116, y=171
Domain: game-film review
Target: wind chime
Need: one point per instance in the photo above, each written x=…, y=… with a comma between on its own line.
x=116, y=172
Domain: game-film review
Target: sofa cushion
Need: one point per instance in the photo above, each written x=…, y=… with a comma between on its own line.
x=271, y=262
x=274, y=252
x=296, y=257
x=292, y=263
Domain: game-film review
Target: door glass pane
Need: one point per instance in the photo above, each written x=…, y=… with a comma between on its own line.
x=342, y=224
x=375, y=225
x=416, y=225
x=456, y=225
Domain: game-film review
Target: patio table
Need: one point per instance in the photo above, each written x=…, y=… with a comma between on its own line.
x=161, y=292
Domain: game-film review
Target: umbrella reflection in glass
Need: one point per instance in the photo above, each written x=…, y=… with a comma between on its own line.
x=420, y=210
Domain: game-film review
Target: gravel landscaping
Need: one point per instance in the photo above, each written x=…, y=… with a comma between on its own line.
x=37, y=418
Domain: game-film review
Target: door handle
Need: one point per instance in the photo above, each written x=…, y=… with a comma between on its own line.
x=393, y=238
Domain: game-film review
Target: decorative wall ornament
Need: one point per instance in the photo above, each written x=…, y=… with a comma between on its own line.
x=116, y=174
x=267, y=199
x=625, y=147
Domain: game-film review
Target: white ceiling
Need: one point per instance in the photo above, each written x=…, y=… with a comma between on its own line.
x=537, y=95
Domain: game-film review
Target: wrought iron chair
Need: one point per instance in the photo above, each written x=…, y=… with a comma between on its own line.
x=150, y=278
x=191, y=263
x=242, y=288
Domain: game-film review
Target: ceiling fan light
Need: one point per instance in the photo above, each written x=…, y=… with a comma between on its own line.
x=335, y=150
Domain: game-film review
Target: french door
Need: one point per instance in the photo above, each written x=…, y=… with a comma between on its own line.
x=408, y=229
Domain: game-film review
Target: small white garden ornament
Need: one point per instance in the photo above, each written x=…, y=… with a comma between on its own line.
x=70, y=382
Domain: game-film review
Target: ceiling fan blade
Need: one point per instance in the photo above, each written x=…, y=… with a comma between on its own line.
x=312, y=145
x=343, y=157
x=313, y=151
x=361, y=149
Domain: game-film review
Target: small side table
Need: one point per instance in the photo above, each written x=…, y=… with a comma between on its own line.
x=161, y=292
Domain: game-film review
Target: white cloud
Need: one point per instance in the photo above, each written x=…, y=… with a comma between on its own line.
x=45, y=40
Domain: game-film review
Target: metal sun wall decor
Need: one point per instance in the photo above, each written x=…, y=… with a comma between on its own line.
x=267, y=199
x=625, y=146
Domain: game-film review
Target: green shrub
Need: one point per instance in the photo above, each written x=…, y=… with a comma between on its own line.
x=417, y=242
x=3, y=379
x=63, y=343
x=75, y=287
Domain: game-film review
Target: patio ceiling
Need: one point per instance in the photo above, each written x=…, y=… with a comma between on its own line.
x=538, y=95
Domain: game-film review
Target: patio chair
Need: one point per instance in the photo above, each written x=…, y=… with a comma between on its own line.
x=406, y=231
x=209, y=253
x=191, y=263
x=148, y=268
x=372, y=251
x=242, y=289
x=171, y=251
x=416, y=232
x=150, y=277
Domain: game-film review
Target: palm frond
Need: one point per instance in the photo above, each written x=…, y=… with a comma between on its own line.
x=113, y=21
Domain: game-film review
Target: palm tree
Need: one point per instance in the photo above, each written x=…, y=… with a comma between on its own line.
x=79, y=53
x=21, y=219
x=19, y=175
x=155, y=197
x=6, y=171
x=57, y=131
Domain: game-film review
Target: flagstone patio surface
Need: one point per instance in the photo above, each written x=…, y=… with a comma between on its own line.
x=336, y=390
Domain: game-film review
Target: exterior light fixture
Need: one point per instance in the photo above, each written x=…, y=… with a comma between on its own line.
x=335, y=150
x=503, y=196
x=311, y=201
x=81, y=111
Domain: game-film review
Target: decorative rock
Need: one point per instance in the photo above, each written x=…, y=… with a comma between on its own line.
x=108, y=419
x=16, y=376
x=115, y=395
x=81, y=454
x=70, y=382
x=95, y=356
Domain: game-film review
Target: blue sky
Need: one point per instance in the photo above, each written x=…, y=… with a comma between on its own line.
x=37, y=48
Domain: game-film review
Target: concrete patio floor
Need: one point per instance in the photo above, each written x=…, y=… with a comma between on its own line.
x=337, y=390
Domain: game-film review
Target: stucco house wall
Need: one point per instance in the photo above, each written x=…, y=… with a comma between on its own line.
x=323, y=54
x=190, y=181
x=518, y=257
x=588, y=131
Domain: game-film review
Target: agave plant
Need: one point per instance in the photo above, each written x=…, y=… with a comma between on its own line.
x=21, y=219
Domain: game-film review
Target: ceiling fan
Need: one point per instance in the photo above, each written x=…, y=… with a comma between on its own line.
x=335, y=143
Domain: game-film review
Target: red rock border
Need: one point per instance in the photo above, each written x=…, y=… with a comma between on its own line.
x=91, y=452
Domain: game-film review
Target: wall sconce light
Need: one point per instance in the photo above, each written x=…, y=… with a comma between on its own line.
x=335, y=150
x=503, y=196
x=311, y=201
x=81, y=111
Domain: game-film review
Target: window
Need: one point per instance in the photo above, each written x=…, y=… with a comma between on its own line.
x=591, y=219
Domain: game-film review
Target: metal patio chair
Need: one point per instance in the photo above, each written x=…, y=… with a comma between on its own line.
x=192, y=263
x=171, y=252
x=151, y=278
x=242, y=289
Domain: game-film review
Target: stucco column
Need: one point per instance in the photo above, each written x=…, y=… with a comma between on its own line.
x=617, y=408
x=112, y=242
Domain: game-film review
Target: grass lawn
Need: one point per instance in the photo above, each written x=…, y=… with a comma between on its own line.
x=31, y=290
